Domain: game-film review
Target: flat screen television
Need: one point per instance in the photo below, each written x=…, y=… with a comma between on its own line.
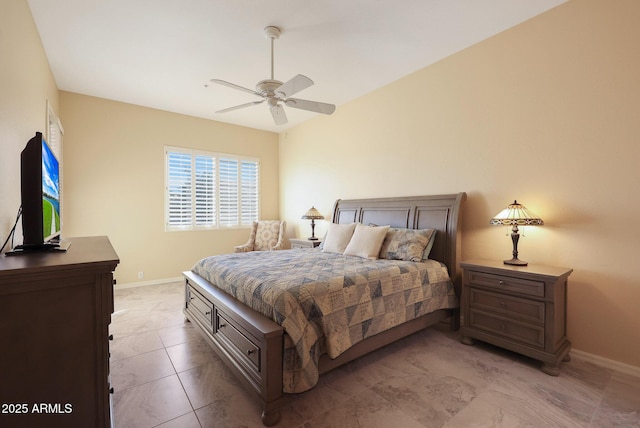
x=40, y=195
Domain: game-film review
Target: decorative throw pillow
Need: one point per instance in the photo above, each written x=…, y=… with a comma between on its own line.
x=407, y=244
x=427, y=249
x=366, y=241
x=337, y=238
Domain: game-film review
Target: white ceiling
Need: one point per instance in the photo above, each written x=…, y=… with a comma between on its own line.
x=160, y=53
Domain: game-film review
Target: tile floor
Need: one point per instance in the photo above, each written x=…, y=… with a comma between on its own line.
x=165, y=375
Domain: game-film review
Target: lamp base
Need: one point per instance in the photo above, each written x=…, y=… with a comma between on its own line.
x=515, y=262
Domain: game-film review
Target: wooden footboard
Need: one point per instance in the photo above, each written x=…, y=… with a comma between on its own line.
x=249, y=343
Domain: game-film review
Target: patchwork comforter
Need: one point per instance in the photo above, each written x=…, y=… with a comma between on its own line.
x=328, y=302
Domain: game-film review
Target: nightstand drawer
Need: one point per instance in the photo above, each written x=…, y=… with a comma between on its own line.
x=507, y=283
x=512, y=307
x=503, y=327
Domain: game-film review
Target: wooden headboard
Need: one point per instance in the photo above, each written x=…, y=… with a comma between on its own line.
x=439, y=212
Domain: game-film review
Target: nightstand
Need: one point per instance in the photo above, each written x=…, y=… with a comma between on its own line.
x=304, y=243
x=520, y=308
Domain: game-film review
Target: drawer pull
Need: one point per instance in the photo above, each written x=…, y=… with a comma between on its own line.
x=110, y=390
x=501, y=282
x=250, y=351
x=222, y=325
x=111, y=337
x=208, y=313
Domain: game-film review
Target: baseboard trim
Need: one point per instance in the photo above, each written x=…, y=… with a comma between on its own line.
x=606, y=362
x=145, y=283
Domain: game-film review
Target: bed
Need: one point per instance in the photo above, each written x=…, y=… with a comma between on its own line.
x=278, y=338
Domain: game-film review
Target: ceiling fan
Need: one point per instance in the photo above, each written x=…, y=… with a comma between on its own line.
x=276, y=93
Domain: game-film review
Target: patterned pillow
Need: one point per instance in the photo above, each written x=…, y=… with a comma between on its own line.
x=406, y=244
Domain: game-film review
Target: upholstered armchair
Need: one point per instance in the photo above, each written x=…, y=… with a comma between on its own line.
x=266, y=235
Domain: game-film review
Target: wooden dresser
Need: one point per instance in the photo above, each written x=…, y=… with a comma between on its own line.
x=55, y=311
x=520, y=308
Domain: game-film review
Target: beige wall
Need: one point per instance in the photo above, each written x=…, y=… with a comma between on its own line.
x=547, y=113
x=114, y=181
x=26, y=83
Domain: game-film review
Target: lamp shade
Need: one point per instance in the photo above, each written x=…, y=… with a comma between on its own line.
x=312, y=214
x=516, y=215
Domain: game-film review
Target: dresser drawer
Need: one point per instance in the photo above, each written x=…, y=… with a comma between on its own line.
x=507, y=283
x=237, y=342
x=498, y=326
x=200, y=307
x=511, y=307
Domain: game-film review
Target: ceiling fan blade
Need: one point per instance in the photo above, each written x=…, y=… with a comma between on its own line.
x=279, y=117
x=294, y=85
x=315, y=106
x=240, y=106
x=233, y=85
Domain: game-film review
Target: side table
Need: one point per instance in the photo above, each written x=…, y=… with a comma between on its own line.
x=305, y=243
x=520, y=308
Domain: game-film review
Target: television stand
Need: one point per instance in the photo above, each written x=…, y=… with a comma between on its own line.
x=46, y=247
x=55, y=311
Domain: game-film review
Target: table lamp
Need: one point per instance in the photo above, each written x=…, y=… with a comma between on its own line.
x=516, y=215
x=313, y=215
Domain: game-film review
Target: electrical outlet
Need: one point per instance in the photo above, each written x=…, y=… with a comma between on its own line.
x=140, y=275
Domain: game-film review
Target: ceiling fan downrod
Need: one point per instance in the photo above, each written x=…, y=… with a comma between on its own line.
x=272, y=33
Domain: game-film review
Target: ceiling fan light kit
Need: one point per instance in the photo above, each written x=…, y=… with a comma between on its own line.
x=277, y=93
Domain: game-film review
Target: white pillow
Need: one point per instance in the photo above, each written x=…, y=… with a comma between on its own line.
x=366, y=241
x=337, y=237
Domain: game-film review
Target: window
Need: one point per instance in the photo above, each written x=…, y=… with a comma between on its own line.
x=209, y=190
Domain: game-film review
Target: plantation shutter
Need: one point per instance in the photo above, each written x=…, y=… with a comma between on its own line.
x=54, y=134
x=249, y=192
x=205, y=194
x=179, y=189
x=229, y=192
x=208, y=190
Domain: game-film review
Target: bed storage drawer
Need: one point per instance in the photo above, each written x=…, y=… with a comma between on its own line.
x=200, y=307
x=236, y=341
